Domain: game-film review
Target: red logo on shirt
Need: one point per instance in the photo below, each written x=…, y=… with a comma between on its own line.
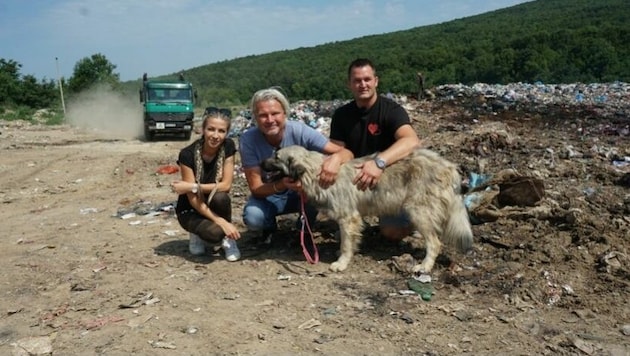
x=373, y=129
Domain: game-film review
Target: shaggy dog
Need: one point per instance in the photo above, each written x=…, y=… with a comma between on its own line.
x=424, y=185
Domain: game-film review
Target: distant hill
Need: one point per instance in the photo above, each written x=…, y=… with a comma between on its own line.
x=553, y=41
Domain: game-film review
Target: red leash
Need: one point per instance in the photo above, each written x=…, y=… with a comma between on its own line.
x=314, y=259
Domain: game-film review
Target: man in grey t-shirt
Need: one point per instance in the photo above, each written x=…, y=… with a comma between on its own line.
x=270, y=109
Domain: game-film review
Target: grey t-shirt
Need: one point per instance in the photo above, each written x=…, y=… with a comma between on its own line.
x=254, y=148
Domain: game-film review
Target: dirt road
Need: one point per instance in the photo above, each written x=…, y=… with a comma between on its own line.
x=77, y=278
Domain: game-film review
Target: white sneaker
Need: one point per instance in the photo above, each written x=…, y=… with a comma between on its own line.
x=231, y=249
x=196, y=245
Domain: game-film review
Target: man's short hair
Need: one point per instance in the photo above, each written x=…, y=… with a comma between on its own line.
x=360, y=62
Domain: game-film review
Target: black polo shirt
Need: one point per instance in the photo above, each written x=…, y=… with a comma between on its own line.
x=365, y=131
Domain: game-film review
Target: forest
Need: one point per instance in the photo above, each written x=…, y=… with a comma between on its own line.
x=550, y=41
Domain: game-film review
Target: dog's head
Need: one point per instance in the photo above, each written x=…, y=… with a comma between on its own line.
x=287, y=162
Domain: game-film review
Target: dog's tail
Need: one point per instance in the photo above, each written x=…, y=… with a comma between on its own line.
x=458, y=231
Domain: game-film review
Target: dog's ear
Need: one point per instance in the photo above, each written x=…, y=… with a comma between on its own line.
x=287, y=162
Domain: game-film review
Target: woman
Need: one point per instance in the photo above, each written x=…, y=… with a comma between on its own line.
x=204, y=208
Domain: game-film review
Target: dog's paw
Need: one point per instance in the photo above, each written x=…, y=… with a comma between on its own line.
x=338, y=266
x=421, y=269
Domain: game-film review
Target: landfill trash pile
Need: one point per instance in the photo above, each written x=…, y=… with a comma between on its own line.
x=610, y=100
x=610, y=94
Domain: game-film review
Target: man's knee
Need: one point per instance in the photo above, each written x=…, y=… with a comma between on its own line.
x=395, y=228
x=311, y=213
x=395, y=233
x=253, y=218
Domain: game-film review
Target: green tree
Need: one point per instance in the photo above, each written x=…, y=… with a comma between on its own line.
x=9, y=80
x=600, y=56
x=17, y=90
x=36, y=95
x=91, y=71
x=554, y=41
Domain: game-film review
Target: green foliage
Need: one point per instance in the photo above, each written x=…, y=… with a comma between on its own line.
x=91, y=71
x=9, y=81
x=54, y=118
x=17, y=90
x=37, y=95
x=19, y=113
x=41, y=116
x=21, y=95
x=553, y=41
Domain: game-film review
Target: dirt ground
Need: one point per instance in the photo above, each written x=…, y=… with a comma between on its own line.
x=81, y=275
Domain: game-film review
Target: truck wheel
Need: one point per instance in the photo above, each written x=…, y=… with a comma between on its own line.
x=187, y=135
x=148, y=135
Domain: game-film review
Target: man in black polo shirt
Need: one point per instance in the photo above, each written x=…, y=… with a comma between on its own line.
x=374, y=124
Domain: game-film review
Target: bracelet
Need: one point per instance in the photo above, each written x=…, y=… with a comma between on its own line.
x=273, y=185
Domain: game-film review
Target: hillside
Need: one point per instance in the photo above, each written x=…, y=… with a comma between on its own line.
x=551, y=41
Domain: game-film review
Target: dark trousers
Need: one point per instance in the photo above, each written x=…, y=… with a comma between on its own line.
x=208, y=230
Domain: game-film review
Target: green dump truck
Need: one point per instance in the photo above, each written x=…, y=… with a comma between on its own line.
x=168, y=107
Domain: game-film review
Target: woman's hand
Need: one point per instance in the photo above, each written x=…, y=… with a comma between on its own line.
x=181, y=187
x=229, y=229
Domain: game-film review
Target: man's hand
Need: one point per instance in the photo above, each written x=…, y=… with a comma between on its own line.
x=289, y=183
x=330, y=170
x=368, y=175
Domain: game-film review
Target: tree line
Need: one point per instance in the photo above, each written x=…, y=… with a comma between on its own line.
x=552, y=41
x=22, y=94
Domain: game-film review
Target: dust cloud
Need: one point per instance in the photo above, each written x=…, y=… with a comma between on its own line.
x=103, y=110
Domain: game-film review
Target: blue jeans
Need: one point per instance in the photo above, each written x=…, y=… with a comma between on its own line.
x=260, y=213
x=401, y=220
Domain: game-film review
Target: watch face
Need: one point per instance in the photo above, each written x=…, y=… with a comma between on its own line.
x=380, y=163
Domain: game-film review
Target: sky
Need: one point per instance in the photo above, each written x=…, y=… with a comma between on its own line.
x=48, y=37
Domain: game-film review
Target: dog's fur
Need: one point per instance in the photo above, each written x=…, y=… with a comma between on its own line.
x=424, y=185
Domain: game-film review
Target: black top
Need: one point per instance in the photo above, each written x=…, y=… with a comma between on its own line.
x=366, y=131
x=187, y=158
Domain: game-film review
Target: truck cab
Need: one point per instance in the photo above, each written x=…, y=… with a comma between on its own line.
x=168, y=107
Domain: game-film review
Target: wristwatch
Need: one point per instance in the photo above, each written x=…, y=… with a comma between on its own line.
x=195, y=188
x=380, y=163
